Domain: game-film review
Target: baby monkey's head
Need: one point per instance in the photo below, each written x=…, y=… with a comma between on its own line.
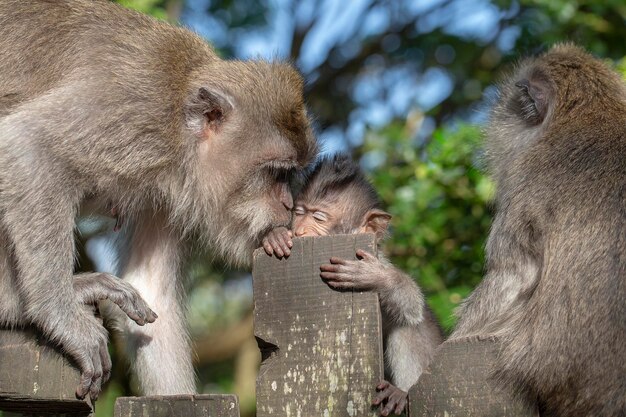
x=338, y=199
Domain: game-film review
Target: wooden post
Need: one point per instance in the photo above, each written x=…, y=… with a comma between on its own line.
x=458, y=383
x=36, y=378
x=321, y=348
x=178, y=406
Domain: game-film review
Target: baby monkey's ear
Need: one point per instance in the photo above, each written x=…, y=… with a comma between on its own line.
x=376, y=221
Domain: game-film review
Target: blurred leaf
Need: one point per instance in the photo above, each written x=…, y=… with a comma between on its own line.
x=439, y=206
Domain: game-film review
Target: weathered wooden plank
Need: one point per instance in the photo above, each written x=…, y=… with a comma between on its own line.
x=36, y=378
x=458, y=383
x=205, y=405
x=321, y=348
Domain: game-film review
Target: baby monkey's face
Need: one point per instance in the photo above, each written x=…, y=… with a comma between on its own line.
x=311, y=220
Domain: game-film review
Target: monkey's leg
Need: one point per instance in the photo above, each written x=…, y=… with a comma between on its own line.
x=97, y=286
x=40, y=222
x=161, y=351
x=11, y=310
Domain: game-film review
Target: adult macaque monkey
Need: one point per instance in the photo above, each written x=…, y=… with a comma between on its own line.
x=555, y=286
x=99, y=101
x=337, y=199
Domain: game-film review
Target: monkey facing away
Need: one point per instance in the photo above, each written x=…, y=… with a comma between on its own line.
x=555, y=283
x=337, y=199
x=100, y=102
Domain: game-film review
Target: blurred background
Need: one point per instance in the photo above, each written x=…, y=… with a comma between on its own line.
x=405, y=87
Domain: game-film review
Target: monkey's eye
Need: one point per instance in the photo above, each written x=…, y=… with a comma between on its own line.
x=320, y=216
x=281, y=173
x=299, y=211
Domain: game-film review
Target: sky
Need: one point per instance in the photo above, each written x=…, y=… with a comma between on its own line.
x=382, y=92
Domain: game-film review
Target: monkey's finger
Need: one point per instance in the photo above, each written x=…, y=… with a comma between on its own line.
x=362, y=254
x=142, y=309
x=278, y=251
x=284, y=245
x=285, y=237
x=128, y=303
x=382, y=395
x=107, y=365
x=400, y=406
x=86, y=375
x=382, y=385
x=337, y=261
x=388, y=408
x=329, y=275
x=153, y=316
x=330, y=268
x=268, y=247
x=341, y=285
x=96, y=379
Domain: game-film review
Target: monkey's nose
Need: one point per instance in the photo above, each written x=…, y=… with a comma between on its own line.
x=306, y=231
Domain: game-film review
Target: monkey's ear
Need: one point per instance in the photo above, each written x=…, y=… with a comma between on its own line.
x=207, y=110
x=376, y=221
x=536, y=92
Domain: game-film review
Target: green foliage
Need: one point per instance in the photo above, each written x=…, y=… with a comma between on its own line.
x=154, y=8
x=438, y=199
x=598, y=25
x=621, y=67
x=106, y=402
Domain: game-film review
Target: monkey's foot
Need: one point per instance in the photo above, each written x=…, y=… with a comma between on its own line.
x=391, y=399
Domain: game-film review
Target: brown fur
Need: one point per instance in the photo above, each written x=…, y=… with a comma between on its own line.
x=103, y=102
x=555, y=287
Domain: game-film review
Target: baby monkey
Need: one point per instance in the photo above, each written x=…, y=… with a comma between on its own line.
x=338, y=199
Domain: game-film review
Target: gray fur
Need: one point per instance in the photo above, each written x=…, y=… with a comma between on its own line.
x=102, y=103
x=411, y=331
x=555, y=285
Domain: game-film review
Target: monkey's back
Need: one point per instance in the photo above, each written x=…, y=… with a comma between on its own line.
x=109, y=82
x=44, y=43
x=568, y=347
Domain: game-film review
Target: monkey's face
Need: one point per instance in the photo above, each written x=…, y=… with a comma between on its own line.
x=252, y=137
x=311, y=220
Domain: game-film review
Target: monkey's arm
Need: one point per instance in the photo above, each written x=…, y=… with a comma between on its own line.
x=411, y=331
x=400, y=297
x=93, y=287
x=43, y=246
x=278, y=241
x=39, y=198
x=512, y=274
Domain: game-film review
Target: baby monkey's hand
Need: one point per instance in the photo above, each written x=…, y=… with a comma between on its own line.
x=278, y=242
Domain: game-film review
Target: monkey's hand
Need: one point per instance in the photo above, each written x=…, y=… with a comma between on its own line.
x=278, y=241
x=390, y=398
x=364, y=274
x=80, y=334
x=93, y=287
